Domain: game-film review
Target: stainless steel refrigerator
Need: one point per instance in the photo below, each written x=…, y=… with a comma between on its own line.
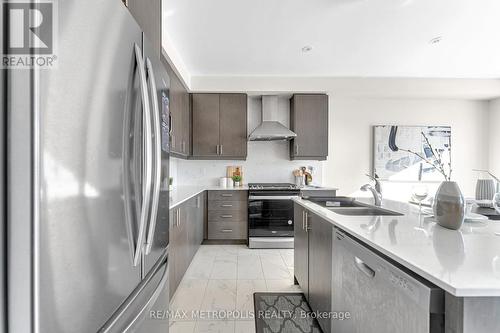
x=84, y=181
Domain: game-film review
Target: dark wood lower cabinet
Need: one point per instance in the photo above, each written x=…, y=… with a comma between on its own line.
x=320, y=267
x=227, y=215
x=196, y=217
x=301, y=253
x=313, y=261
x=186, y=235
x=177, y=248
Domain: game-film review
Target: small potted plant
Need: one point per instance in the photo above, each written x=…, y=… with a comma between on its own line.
x=237, y=180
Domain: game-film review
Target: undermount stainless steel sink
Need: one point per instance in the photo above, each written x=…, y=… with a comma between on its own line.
x=364, y=211
x=351, y=207
x=336, y=202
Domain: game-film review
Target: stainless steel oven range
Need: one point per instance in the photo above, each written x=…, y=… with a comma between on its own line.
x=270, y=215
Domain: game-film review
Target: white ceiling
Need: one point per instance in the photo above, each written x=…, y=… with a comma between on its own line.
x=350, y=38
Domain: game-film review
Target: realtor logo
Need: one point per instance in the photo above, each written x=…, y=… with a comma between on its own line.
x=29, y=40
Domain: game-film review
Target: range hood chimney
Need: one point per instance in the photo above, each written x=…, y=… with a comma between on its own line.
x=270, y=129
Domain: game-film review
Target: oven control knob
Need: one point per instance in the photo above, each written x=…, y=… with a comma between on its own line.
x=290, y=222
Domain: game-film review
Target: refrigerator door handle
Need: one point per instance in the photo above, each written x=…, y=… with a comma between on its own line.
x=148, y=157
x=127, y=172
x=157, y=157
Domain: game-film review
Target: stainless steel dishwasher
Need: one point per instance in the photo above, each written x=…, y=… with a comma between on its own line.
x=380, y=295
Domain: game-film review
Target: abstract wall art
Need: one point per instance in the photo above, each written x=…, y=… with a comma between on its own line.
x=405, y=153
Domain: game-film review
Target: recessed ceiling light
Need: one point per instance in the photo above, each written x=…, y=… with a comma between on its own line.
x=307, y=48
x=436, y=40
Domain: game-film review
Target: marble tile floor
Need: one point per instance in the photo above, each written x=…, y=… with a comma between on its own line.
x=219, y=284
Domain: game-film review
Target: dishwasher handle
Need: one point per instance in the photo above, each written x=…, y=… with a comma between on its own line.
x=389, y=273
x=360, y=264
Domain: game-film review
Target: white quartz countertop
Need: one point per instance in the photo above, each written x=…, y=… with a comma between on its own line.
x=318, y=188
x=465, y=263
x=181, y=194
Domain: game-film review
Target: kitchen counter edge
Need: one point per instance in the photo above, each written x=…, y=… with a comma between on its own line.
x=346, y=224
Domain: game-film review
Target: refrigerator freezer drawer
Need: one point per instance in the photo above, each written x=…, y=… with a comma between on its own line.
x=141, y=311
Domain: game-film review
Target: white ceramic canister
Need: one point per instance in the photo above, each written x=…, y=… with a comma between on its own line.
x=223, y=182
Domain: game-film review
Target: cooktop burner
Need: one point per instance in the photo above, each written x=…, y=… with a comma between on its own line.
x=272, y=186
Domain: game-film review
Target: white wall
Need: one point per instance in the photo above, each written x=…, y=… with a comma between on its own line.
x=266, y=161
x=351, y=142
x=472, y=89
x=351, y=119
x=494, y=137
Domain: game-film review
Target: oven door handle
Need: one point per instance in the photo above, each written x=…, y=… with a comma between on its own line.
x=272, y=197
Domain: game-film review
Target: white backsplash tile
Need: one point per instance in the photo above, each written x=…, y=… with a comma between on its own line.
x=266, y=162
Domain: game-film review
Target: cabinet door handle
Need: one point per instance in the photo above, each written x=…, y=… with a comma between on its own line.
x=307, y=221
x=178, y=217
x=226, y=216
x=226, y=195
x=170, y=123
x=220, y=150
x=303, y=220
x=227, y=230
x=217, y=150
x=226, y=205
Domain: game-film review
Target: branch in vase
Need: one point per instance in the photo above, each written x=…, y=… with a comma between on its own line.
x=437, y=167
x=439, y=157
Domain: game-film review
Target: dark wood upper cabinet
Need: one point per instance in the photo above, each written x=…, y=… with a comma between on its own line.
x=180, y=134
x=309, y=120
x=148, y=14
x=205, y=125
x=176, y=111
x=186, y=123
x=233, y=125
x=219, y=128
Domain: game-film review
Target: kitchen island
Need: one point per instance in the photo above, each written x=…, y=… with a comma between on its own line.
x=465, y=264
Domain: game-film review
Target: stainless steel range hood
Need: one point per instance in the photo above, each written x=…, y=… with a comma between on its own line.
x=270, y=129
